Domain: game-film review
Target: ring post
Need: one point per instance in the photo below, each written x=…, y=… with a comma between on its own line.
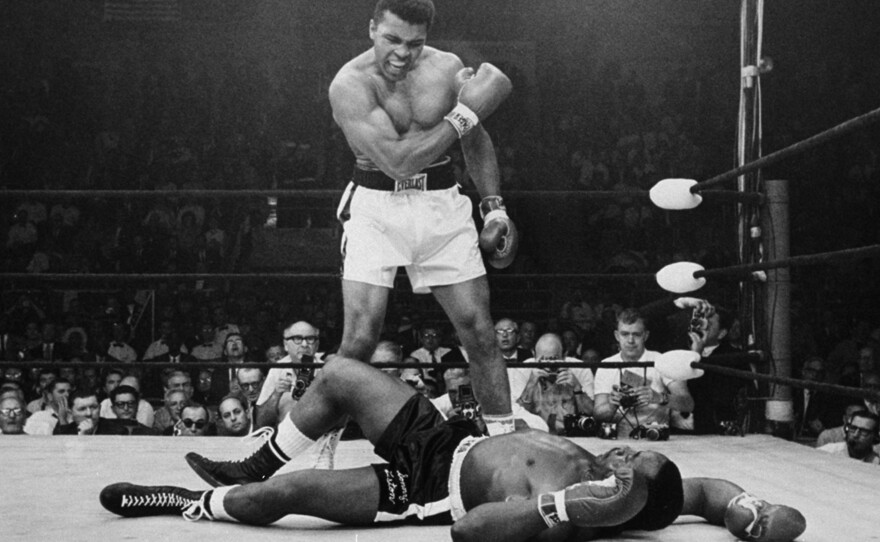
x=777, y=303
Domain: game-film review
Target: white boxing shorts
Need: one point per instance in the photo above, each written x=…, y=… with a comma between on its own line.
x=426, y=227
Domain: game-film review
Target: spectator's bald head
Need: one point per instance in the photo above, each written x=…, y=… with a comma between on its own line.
x=549, y=346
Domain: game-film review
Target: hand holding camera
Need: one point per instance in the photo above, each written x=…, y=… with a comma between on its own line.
x=285, y=383
x=465, y=404
x=303, y=377
x=626, y=396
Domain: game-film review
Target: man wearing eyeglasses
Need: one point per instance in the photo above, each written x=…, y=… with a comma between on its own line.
x=861, y=430
x=194, y=422
x=124, y=402
x=279, y=393
x=507, y=340
x=12, y=416
x=144, y=412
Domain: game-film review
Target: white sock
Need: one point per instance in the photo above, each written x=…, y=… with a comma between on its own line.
x=290, y=441
x=499, y=425
x=327, y=449
x=215, y=503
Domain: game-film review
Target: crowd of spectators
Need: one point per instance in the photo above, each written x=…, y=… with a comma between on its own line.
x=183, y=125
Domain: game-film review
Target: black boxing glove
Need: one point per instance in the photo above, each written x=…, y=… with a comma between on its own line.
x=499, y=238
x=603, y=503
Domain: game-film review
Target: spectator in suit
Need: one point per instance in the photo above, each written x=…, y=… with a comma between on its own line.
x=528, y=335
x=50, y=348
x=119, y=349
x=45, y=377
x=125, y=403
x=195, y=421
x=223, y=381
x=814, y=411
x=431, y=351
x=169, y=414
x=717, y=398
x=507, y=339
x=143, y=411
x=207, y=349
x=233, y=418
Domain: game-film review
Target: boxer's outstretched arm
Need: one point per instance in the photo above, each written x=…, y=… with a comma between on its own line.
x=510, y=521
x=708, y=498
x=747, y=517
x=482, y=163
x=370, y=130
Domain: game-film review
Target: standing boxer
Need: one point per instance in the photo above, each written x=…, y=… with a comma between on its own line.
x=401, y=105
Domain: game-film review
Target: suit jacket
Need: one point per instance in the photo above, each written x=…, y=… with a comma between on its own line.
x=821, y=406
x=59, y=351
x=152, y=385
x=715, y=395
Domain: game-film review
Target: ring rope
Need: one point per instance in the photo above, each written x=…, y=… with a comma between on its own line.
x=796, y=148
x=809, y=259
x=99, y=277
x=747, y=375
x=719, y=195
x=793, y=382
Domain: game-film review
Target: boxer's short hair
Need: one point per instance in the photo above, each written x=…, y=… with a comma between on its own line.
x=412, y=11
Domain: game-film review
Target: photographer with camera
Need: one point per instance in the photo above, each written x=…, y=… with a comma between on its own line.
x=638, y=400
x=553, y=394
x=283, y=387
x=720, y=401
x=459, y=400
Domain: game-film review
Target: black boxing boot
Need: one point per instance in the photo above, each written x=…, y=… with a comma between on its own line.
x=131, y=501
x=262, y=464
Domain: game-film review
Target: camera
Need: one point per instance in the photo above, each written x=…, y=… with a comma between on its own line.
x=550, y=379
x=578, y=425
x=696, y=323
x=652, y=431
x=303, y=378
x=467, y=404
x=629, y=397
x=730, y=428
x=608, y=431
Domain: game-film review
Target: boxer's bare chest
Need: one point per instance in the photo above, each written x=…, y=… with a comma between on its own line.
x=417, y=103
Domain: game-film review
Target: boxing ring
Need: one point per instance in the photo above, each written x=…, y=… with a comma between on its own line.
x=51, y=484
x=51, y=487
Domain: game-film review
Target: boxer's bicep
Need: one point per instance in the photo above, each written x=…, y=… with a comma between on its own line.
x=366, y=126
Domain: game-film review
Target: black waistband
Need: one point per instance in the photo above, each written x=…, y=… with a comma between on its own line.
x=440, y=176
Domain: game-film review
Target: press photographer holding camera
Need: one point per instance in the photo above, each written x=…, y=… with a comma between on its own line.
x=553, y=394
x=283, y=387
x=637, y=399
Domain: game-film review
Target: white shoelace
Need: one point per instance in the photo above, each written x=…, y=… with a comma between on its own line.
x=196, y=509
x=156, y=499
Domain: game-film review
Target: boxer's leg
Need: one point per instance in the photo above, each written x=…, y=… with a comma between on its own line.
x=348, y=496
x=364, y=312
x=467, y=305
x=344, y=387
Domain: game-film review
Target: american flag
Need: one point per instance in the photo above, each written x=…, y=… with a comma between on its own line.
x=142, y=10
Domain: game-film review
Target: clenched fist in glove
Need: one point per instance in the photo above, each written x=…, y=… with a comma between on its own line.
x=499, y=237
x=603, y=503
x=479, y=96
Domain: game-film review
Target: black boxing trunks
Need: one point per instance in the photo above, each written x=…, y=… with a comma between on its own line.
x=419, y=446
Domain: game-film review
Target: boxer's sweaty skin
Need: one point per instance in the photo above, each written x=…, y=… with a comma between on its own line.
x=401, y=88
